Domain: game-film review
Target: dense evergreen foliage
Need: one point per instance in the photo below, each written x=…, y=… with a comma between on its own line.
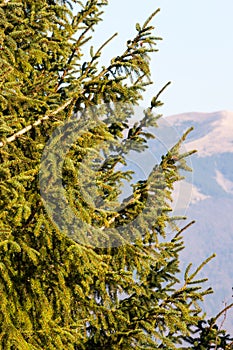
x=110, y=282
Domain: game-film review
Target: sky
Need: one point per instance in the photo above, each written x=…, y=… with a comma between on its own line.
x=196, y=53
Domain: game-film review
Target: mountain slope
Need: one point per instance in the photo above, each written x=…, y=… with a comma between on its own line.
x=211, y=201
x=206, y=195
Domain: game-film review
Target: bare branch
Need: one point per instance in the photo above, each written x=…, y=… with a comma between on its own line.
x=220, y=313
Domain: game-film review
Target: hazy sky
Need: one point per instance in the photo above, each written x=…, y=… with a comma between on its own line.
x=196, y=53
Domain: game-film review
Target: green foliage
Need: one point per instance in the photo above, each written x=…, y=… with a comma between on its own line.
x=208, y=335
x=58, y=292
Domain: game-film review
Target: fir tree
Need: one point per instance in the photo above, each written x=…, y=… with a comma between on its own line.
x=105, y=277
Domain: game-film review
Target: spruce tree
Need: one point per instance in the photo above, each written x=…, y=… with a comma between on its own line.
x=80, y=268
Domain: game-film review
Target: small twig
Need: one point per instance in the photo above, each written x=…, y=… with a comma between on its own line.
x=220, y=327
x=150, y=18
x=224, y=312
x=221, y=312
x=184, y=228
x=155, y=99
x=105, y=43
x=224, y=317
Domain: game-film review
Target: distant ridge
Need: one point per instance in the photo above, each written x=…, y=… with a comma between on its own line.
x=213, y=134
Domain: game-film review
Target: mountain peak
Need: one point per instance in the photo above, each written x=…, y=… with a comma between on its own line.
x=213, y=132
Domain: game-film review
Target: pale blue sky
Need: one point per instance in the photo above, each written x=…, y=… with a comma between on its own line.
x=196, y=53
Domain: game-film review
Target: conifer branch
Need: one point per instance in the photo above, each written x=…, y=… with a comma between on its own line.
x=36, y=123
x=97, y=54
x=131, y=200
x=66, y=279
x=65, y=71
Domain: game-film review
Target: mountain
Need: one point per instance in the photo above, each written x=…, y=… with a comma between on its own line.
x=206, y=196
x=210, y=193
